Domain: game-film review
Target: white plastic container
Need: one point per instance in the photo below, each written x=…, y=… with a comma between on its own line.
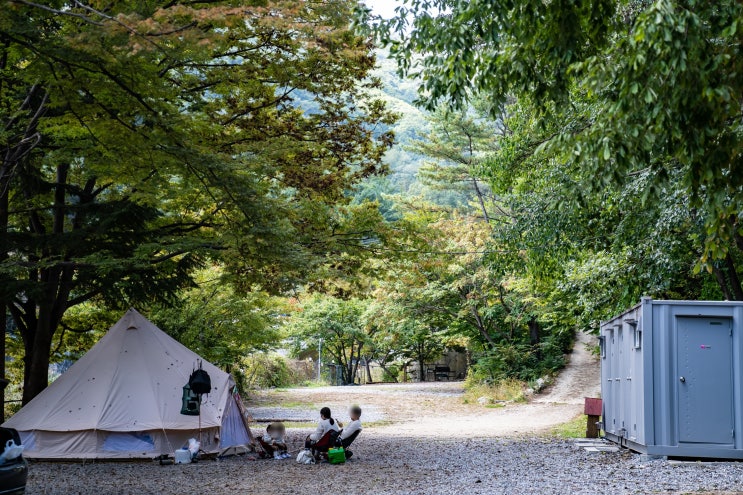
x=183, y=456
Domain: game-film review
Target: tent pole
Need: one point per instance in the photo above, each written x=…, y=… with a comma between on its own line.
x=200, y=439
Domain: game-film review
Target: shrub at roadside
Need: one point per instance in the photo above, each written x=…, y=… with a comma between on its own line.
x=507, y=390
x=518, y=361
x=270, y=370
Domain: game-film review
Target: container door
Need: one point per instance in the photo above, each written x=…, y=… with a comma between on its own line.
x=620, y=384
x=613, y=402
x=705, y=384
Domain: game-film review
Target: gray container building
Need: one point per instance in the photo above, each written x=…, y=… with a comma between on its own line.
x=672, y=378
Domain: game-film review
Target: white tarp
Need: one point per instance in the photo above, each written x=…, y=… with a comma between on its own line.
x=130, y=382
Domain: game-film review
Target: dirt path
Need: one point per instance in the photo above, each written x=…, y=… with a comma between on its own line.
x=579, y=379
x=437, y=409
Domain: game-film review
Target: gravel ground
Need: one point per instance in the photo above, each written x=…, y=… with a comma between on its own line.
x=385, y=464
x=267, y=414
x=419, y=439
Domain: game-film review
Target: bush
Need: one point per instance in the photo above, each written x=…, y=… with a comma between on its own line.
x=391, y=373
x=262, y=370
x=508, y=389
x=522, y=362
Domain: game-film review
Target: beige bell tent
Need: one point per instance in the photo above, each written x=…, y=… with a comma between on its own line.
x=123, y=400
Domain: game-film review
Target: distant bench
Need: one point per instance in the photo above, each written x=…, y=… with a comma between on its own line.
x=441, y=373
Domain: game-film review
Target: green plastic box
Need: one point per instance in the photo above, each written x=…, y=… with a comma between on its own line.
x=337, y=456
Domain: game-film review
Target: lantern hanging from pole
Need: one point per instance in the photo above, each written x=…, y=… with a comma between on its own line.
x=191, y=402
x=199, y=383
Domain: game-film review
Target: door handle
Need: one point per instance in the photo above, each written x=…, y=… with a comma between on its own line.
x=682, y=379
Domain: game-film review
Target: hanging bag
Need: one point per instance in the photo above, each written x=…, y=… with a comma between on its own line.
x=200, y=382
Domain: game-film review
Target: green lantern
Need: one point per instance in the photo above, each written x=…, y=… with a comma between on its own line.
x=191, y=402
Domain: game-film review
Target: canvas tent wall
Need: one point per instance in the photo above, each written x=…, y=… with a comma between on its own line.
x=122, y=400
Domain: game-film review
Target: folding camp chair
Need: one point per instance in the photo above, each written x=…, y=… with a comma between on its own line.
x=268, y=449
x=346, y=442
x=320, y=448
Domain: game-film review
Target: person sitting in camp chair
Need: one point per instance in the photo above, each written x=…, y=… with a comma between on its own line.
x=274, y=442
x=320, y=448
x=324, y=436
x=349, y=433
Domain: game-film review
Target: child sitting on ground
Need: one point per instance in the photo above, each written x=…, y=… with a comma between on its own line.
x=274, y=441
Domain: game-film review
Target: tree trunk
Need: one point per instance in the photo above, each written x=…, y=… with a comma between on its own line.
x=388, y=373
x=734, y=279
x=481, y=327
x=534, y=328
x=3, y=302
x=480, y=199
x=421, y=363
x=338, y=358
x=368, y=371
x=723, y=283
x=37, y=362
x=51, y=305
x=358, y=362
x=4, y=330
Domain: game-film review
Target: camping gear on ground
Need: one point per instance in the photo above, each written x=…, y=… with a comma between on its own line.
x=193, y=446
x=12, y=450
x=183, y=456
x=336, y=455
x=305, y=457
x=122, y=400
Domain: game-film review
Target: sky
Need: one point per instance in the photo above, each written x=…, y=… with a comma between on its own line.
x=385, y=8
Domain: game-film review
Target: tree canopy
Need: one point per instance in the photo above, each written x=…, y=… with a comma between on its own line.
x=619, y=88
x=230, y=167
x=141, y=139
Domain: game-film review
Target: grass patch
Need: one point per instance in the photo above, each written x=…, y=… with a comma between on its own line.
x=380, y=423
x=575, y=428
x=313, y=384
x=277, y=398
x=295, y=404
x=299, y=425
x=506, y=390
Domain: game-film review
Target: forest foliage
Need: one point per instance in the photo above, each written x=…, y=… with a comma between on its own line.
x=229, y=168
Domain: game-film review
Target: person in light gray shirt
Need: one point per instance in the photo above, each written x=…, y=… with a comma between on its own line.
x=326, y=424
x=353, y=426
